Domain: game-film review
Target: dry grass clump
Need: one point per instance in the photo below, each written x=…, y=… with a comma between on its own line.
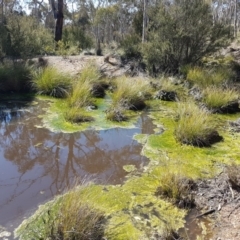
x=195, y=126
x=176, y=188
x=205, y=77
x=49, y=81
x=131, y=93
x=76, y=115
x=233, y=172
x=15, y=77
x=215, y=97
x=116, y=113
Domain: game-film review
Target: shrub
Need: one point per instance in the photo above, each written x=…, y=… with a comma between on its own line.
x=49, y=81
x=131, y=46
x=195, y=126
x=15, y=78
x=176, y=188
x=181, y=33
x=131, y=92
x=215, y=97
x=75, y=115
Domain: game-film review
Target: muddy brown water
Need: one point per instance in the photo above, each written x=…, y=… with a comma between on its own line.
x=36, y=164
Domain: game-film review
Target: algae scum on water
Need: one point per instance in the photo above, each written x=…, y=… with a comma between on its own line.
x=133, y=210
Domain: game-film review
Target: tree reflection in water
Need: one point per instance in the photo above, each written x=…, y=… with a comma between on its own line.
x=36, y=164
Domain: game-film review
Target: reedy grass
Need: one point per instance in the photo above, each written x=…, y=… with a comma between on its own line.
x=66, y=217
x=215, y=97
x=233, y=172
x=15, y=77
x=194, y=126
x=77, y=220
x=205, y=77
x=130, y=92
x=81, y=94
x=90, y=73
x=48, y=81
x=116, y=113
x=76, y=115
x=175, y=187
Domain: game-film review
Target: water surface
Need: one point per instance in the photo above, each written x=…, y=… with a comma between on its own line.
x=36, y=164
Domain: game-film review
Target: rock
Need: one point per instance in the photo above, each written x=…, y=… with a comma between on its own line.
x=166, y=95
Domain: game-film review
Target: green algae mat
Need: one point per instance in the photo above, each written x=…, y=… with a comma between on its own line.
x=133, y=210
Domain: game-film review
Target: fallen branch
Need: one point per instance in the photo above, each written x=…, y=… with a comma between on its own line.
x=206, y=213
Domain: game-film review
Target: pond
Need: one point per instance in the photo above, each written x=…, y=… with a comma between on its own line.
x=37, y=164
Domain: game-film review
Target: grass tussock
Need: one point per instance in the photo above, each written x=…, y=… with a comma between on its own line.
x=81, y=95
x=76, y=115
x=76, y=219
x=90, y=73
x=130, y=93
x=233, y=172
x=176, y=188
x=195, y=126
x=116, y=113
x=48, y=81
x=206, y=77
x=15, y=77
x=67, y=217
x=215, y=97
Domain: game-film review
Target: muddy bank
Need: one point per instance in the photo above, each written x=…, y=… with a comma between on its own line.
x=217, y=201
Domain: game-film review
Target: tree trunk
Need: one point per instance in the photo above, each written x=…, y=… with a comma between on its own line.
x=235, y=19
x=144, y=20
x=59, y=22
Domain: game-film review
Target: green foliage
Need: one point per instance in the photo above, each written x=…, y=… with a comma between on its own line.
x=26, y=37
x=15, y=77
x=194, y=126
x=181, y=33
x=48, y=81
x=215, y=97
x=131, y=46
x=76, y=37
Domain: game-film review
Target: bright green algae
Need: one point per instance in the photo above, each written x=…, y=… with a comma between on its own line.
x=133, y=210
x=55, y=121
